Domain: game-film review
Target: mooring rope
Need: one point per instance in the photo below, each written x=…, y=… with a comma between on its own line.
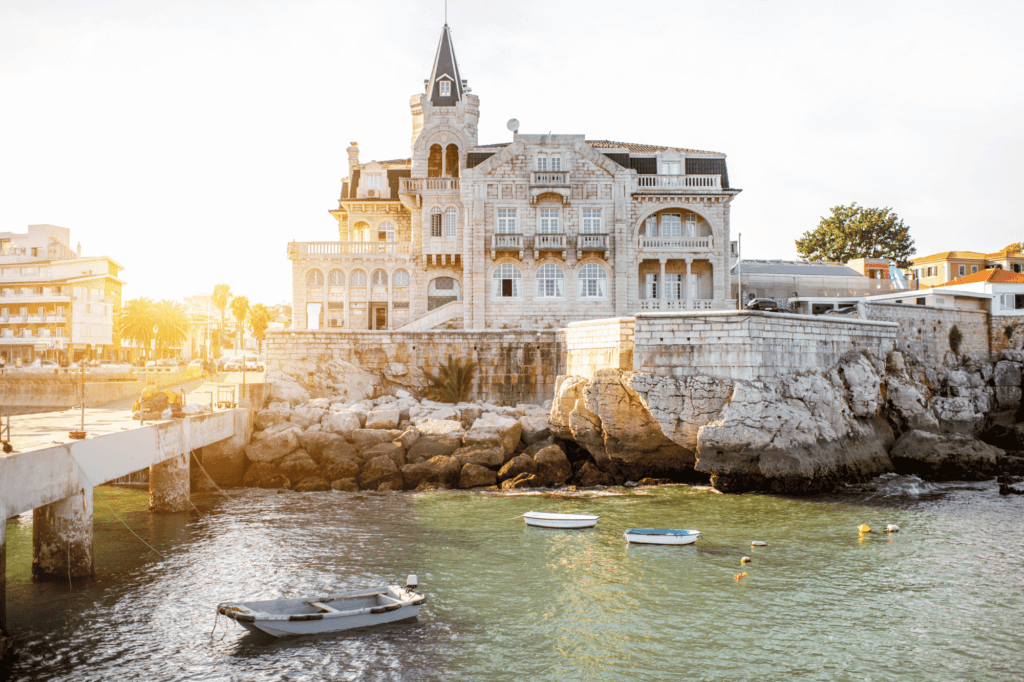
x=97, y=491
x=193, y=453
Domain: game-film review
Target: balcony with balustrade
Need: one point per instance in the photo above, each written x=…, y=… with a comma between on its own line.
x=350, y=250
x=419, y=186
x=550, y=242
x=671, y=245
x=675, y=304
x=593, y=242
x=547, y=182
x=503, y=243
x=673, y=184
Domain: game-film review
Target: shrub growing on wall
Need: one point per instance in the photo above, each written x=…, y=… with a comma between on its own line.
x=452, y=383
x=956, y=337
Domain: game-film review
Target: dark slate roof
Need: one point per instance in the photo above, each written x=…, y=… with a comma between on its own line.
x=637, y=148
x=354, y=185
x=393, y=180
x=446, y=67
x=474, y=159
x=789, y=267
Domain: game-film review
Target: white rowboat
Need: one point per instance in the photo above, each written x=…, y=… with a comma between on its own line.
x=330, y=613
x=661, y=536
x=552, y=520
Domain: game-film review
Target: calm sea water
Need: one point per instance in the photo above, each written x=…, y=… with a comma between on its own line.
x=940, y=600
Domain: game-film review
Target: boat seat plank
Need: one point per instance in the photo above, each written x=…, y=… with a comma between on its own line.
x=323, y=607
x=358, y=596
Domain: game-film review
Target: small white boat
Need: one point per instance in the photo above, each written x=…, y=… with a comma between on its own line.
x=553, y=520
x=330, y=613
x=661, y=536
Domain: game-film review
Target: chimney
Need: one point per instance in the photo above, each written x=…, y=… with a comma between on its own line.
x=353, y=157
x=79, y=249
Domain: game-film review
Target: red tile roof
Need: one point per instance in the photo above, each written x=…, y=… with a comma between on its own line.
x=993, y=276
x=946, y=255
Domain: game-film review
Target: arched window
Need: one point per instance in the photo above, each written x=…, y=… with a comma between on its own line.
x=314, y=278
x=593, y=281
x=379, y=278
x=450, y=218
x=386, y=232
x=550, y=281
x=451, y=165
x=435, y=221
x=400, y=278
x=357, y=278
x=336, y=278
x=361, y=232
x=508, y=281
x=435, y=161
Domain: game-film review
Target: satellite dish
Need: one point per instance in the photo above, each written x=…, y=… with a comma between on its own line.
x=513, y=125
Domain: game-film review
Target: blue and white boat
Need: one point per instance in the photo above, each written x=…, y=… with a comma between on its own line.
x=661, y=536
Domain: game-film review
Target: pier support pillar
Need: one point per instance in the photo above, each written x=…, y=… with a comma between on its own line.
x=169, y=486
x=62, y=538
x=3, y=586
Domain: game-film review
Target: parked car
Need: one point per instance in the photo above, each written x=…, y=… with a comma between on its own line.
x=233, y=365
x=253, y=364
x=167, y=362
x=198, y=362
x=845, y=310
x=766, y=304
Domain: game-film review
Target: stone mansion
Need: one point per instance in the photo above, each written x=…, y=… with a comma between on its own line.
x=529, y=234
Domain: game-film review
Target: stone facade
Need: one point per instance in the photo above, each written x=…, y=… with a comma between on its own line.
x=924, y=330
x=531, y=234
x=598, y=344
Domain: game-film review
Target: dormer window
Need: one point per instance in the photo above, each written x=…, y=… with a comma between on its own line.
x=446, y=88
x=373, y=181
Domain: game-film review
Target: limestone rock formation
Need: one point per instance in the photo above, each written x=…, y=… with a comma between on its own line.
x=391, y=450
x=535, y=428
x=553, y=466
x=273, y=448
x=488, y=456
x=345, y=485
x=520, y=464
x=315, y=442
x=297, y=465
x=509, y=430
x=475, y=476
x=589, y=476
x=341, y=423
x=439, y=470
x=945, y=457
x=311, y=484
x=380, y=470
x=523, y=480
x=267, y=417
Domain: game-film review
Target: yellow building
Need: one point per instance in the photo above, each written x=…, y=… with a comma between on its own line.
x=940, y=268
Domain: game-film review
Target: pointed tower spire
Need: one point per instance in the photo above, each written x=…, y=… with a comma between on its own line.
x=444, y=87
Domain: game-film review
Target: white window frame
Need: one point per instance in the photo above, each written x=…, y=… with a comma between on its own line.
x=673, y=286
x=373, y=181
x=550, y=281
x=542, y=163
x=974, y=269
x=332, y=281
x=962, y=269
x=690, y=225
x=445, y=88
x=591, y=221
x=556, y=162
x=507, y=220
x=651, y=226
x=436, y=222
x=651, y=286
x=317, y=276
x=663, y=229
x=670, y=168
x=507, y=271
x=402, y=275
x=594, y=286
x=357, y=278
x=549, y=221
x=373, y=278
x=388, y=228
x=451, y=222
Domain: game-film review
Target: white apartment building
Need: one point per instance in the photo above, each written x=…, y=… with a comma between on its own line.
x=528, y=234
x=53, y=301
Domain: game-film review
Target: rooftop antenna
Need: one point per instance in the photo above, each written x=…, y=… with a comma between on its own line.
x=445, y=12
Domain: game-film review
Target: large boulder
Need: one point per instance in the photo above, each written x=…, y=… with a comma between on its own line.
x=907, y=405
x=439, y=470
x=340, y=467
x=862, y=383
x=483, y=437
x=509, y=430
x=438, y=437
x=383, y=418
x=488, y=456
x=378, y=471
x=956, y=415
x=945, y=457
x=304, y=417
x=341, y=423
x=524, y=480
x=288, y=391
x=520, y=464
x=311, y=484
x=348, y=485
x=476, y=476
x=257, y=472
x=535, y=428
x=553, y=466
x=315, y=442
x=408, y=437
x=391, y=450
x=367, y=438
x=589, y=476
x=297, y=465
x=273, y=448
x=794, y=434
x=268, y=417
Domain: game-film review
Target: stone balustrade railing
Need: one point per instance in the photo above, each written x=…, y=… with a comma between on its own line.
x=679, y=182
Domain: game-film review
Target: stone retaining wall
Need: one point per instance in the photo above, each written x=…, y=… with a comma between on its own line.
x=751, y=345
x=924, y=330
x=514, y=366
x=598, y=344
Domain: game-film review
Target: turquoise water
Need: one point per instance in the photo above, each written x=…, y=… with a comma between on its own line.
x=940, y=600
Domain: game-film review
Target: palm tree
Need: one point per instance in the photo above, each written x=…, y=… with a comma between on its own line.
x=172, y=325
x=240, y=309
x=220, y=297
x=136, y=322
x=259, y=320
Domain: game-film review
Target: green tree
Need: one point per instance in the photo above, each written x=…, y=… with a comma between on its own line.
x=1014, y=248
x=858, y=232
x=259, y=320
x=240, y=309
x=136, y=322
x=172, y=325
x=220, y=297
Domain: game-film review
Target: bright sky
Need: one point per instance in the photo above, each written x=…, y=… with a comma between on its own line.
x=191, y=140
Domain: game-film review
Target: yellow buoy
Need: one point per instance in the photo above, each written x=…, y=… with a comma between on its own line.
x=745, y=560
x=738, y=576
x=864, y=528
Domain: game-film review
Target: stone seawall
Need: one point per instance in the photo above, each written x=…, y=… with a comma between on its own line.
x=924, y=330
x=514, y=366
x=598, y=344
x=751, y=345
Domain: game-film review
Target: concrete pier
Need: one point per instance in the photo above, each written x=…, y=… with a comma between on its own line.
x=169, y=485
x=3, y=584
x=62, y=538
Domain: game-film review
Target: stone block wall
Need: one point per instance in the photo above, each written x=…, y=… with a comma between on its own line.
x=924, y=330
x=751, y=345
x=514, y=366
x=1005, y=331
x=598, y=344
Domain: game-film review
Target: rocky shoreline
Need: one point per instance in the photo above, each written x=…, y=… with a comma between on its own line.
x=797, y=434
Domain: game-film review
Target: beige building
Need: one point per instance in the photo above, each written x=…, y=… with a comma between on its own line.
x=940, y=268
x=529, y=234
x=53, y=301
